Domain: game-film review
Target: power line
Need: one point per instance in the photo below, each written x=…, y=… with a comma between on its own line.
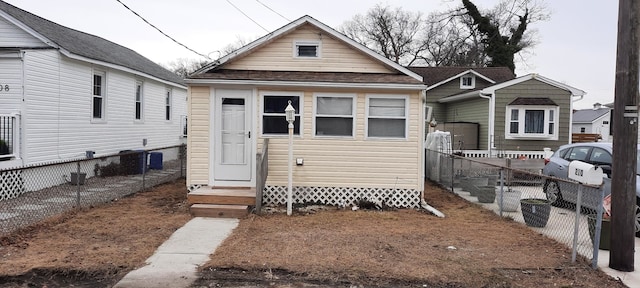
x=165, y=34
x=274, y=11
x=245, y=15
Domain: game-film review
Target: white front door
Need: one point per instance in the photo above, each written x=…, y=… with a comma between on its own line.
x=232, y=133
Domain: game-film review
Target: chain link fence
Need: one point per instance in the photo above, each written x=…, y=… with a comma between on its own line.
x=34, y=193
x=516, y=189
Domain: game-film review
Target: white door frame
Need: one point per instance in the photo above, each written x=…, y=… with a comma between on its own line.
x=215, y=127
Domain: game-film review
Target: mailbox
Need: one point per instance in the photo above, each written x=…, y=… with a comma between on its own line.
x=585, y=173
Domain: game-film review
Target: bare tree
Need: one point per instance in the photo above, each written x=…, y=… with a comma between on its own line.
x=184, y=66
x=450, y=38
x=390, y=32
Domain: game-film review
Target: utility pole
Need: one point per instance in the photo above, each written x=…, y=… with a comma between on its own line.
x=625, y=138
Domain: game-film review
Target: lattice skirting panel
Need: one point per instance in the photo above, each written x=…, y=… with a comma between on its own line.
x=11, y=184
x=400, y=198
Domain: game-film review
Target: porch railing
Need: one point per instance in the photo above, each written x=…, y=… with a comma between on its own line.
x=262, y=172
x=8, y=136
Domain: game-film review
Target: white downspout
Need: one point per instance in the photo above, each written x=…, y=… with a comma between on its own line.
x=575, y=97
x=492, y=108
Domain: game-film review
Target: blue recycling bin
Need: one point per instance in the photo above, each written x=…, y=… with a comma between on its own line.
x=155, y=160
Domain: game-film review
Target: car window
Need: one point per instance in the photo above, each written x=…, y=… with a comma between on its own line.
x=577, y=153
x=562, y=152
x=600, y=156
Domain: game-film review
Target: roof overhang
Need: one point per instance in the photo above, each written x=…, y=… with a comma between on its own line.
x=574, y=91
x=460, y=97
x=390, y=86
x=470, y=71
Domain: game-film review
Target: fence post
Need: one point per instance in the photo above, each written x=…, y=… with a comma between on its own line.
x=596, y=234
x=576, y=225
x=183, y=157
x=78, y=184
x=501, y=200
x=144, y=168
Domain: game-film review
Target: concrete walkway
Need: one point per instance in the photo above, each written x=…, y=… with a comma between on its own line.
x=175, y=262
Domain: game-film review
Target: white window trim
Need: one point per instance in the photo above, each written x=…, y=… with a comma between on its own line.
x=316, y=43
x=299, y=113
x=353, y=114
x=183, y=123
x=168, y=92
x=135, y=101
x=553, y=135
x=102, y=119
x=473, y=81
x=406, y=116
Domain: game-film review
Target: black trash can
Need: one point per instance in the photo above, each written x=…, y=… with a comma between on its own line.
x=132, y=162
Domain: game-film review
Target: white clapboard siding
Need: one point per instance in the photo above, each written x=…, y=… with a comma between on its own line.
x=336, y=56
x=13, y=36
x=57, y=111
x=10, y=85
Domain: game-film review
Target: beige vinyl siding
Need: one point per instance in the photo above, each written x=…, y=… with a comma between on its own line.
x=475, y=111
x=532, y=88
x=351, y=162
x=199, y=136
x=336, y=56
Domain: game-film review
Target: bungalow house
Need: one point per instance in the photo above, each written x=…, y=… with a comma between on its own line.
x=593, y=121
x=501, y=112
x=64, y=92
x=358, y=122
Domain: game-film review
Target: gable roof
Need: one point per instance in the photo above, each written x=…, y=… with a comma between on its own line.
x=88, y=47
x=292, y=26
x=589, y=115
x=436, y=76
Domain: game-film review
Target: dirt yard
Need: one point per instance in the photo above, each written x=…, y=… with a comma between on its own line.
x=471, y=247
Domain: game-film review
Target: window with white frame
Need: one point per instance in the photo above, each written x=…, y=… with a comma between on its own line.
x=334, y=115
x=98, y=98
x=307, y=49
x=183, y=124
x=532, y=122
x=139, y=106
x=387, y=116
x=167, y=105
x=468, y=81
x=274, y=121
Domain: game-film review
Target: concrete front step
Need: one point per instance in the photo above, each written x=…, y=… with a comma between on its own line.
x=219, y=211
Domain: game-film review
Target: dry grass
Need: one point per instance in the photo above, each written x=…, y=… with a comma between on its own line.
x=108, y=240
x=400, y=248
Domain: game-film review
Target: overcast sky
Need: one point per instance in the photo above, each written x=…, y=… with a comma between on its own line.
x=577, y=46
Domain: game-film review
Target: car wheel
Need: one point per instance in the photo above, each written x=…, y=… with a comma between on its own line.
x=552, y=191
x=638, y=217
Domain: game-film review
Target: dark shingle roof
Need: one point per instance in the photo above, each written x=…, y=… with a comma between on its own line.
x=533, y=101
x=433, y=75
x=302, y=76
x=90, y=46
x=588, y=115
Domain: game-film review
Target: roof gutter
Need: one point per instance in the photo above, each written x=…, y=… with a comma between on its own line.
x=491, y=119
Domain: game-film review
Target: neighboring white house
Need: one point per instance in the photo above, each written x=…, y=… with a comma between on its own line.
x=64, y=92
x=593, y=121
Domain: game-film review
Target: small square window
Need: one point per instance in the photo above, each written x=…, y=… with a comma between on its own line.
x=467, y=82
x=307, y=49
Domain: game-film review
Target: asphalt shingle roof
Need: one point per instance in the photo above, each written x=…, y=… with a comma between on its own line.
x=90, y=46
x=588, y=115
x=304, y=76
x=433, y=75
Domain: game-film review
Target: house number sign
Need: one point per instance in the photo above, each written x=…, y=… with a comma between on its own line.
x=4, y=88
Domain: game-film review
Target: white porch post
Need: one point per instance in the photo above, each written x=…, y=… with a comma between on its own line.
x=289, y=112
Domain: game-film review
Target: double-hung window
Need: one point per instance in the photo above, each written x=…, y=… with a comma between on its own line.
x=98, y=98
x=334, y=115
x=167, y=105
x=139, y=106
x=387, y=116
x=468, y=81
x=532, y=122
x=274, y=121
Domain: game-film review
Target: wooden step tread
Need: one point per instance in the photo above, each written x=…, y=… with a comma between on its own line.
x=245, y=192
x=219, y=211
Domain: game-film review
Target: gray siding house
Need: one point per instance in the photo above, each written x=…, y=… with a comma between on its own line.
x=526, y=113
x=65, y=92
x=593, y=121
